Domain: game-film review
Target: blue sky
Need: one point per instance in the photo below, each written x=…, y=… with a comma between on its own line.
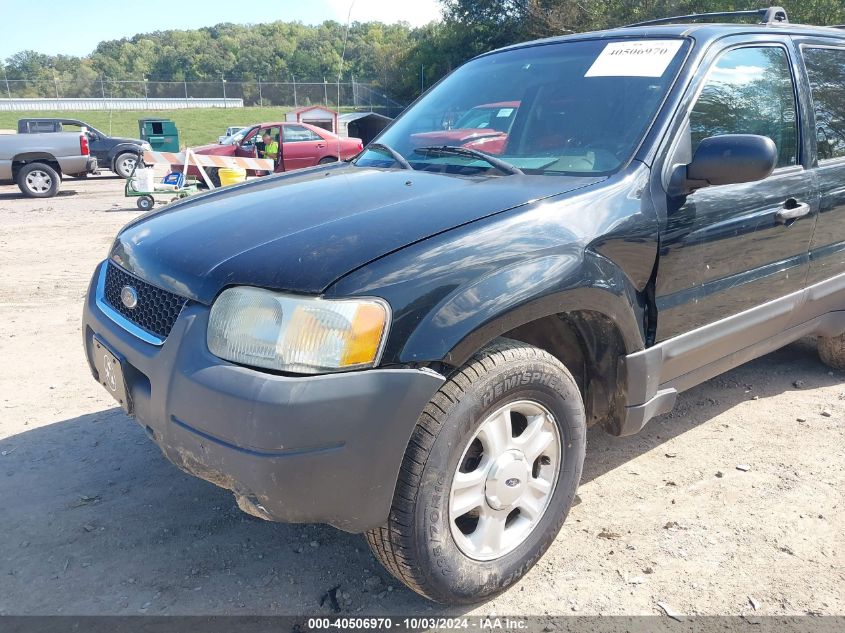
x=75, y=29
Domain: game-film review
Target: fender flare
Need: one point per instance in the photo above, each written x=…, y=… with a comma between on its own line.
x=593, y=284
x=28, y=157
x=575, y=300
x=117, y=150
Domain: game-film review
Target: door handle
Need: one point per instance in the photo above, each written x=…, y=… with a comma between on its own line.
x=321, y=145
x=792, y=210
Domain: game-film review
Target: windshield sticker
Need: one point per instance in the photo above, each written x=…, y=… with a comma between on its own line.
x=504, y=113
x=644, y=58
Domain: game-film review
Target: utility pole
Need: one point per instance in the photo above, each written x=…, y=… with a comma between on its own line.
x=260, y=98
x=223, y=78
x=146, y=95
x=185, y=81
x=6, y=77
x=103, y=91
x=294, y=91
x=326, y=91
x=56, y=85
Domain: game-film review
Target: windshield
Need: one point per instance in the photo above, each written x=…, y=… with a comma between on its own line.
x=577, y=108
x=238, y=136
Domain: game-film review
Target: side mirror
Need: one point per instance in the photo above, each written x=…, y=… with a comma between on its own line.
x=727, y=159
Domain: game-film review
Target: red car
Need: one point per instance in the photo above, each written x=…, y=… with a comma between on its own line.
x=484, y=127
x=300, y=144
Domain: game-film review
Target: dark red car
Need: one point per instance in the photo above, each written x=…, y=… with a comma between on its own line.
x=484, y=127
x=301, y=145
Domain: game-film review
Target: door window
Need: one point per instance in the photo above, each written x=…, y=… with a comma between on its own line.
x=826, y=71
x=750, y=91
x=272, y=131
x=259, y=139
x=299, y=133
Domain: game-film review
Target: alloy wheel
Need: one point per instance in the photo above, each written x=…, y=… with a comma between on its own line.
x=126, y=166
x=505, y=480
x=38, y=181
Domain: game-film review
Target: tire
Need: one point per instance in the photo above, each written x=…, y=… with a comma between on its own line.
x=427, y=542
x=328, y=160
x=124, y=163
x=214, y=177
x=38, y=180
x=145, y=203
x=832, y=351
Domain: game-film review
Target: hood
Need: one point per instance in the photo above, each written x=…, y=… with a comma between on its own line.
x=451, y=136
x=301, y=232
x=214, y=148
x=131, y=141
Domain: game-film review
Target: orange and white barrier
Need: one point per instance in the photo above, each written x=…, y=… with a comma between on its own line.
x=207, y=160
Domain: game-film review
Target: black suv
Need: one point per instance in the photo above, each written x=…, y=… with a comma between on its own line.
x=116, y=154
x=412, y=345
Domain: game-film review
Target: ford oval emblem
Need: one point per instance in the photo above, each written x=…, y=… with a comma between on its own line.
x=129, y=297
x=513, y=482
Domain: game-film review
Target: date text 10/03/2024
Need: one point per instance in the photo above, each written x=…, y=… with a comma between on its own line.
x=486, y=623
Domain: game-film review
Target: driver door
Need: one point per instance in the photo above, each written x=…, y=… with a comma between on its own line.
x=724, y=249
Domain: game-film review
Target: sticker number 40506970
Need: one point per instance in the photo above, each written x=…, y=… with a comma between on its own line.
x=641, y=58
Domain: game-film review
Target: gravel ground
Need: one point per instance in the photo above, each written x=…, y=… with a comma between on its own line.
x=732, y=504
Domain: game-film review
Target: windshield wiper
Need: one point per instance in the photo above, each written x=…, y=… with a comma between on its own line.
x=451, y=150
x=403, y=163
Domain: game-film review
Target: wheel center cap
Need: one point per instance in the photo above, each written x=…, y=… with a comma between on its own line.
x=506, y=479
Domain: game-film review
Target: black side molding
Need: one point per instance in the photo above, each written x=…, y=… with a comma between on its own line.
x=655, y=376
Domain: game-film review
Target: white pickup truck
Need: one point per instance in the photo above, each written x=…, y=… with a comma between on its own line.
x=38, y=162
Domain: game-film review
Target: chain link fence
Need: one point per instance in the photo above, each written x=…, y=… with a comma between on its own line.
x=348, y=94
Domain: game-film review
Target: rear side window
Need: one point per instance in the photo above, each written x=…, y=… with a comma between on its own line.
x=44, y=126
x=750, y=91
x=297, y=133
x=826, y=71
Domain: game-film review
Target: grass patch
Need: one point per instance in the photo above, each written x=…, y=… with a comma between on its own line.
x=196, y=127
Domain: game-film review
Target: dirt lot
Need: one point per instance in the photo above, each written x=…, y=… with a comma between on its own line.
x=95, y=521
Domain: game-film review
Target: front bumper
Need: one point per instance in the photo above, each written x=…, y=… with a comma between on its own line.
x=316, y=449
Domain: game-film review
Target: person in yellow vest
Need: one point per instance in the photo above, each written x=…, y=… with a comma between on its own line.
x=271, y=147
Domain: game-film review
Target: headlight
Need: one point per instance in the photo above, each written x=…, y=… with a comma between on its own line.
x=146, y=147
x=268, y=329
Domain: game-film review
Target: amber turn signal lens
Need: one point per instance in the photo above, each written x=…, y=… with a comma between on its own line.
x=364, y=337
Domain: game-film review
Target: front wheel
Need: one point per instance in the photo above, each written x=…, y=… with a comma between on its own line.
x=38, y=180
x=488, y=476
x=124, y=164
x=214, y=176
x=328, y=160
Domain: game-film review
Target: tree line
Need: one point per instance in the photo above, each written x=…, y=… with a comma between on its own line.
x=400, y=59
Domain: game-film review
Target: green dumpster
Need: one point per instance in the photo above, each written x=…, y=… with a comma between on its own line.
x=161, y=134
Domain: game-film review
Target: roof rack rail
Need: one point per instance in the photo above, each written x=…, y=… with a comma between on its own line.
x=771, y=15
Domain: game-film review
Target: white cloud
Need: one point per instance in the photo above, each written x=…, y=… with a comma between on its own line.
x=415, y=12
x=738, y=74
